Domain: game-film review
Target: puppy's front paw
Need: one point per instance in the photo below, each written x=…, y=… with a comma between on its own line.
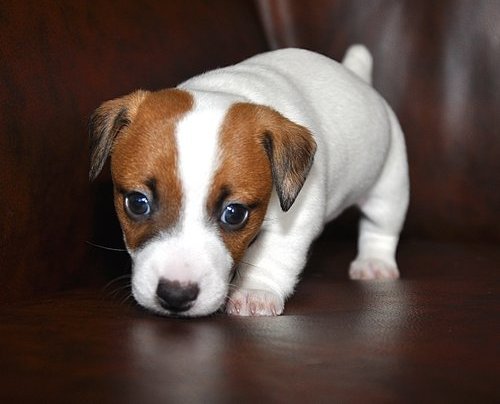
x=372, y=268
x=254, y=302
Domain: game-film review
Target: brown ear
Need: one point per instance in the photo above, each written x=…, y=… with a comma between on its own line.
x=105, y=124
x=290, y=148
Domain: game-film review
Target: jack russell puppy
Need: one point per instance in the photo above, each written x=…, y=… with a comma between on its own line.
x=222, y=183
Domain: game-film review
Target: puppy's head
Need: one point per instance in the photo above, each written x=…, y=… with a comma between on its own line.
x=192, y=177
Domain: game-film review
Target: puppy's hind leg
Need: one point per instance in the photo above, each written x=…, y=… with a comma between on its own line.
x=384, y=210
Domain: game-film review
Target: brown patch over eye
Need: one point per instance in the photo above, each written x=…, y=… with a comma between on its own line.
x=144, y=160
x=243, y=178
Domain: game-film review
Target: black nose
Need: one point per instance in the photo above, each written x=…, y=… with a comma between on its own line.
x=176, y=296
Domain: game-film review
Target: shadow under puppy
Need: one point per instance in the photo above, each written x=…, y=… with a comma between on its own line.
x=222, y=183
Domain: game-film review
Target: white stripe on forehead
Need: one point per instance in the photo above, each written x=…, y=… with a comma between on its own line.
x=197, y=139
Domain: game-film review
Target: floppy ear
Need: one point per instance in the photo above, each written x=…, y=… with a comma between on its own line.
x=290, y=148
x=106, y=123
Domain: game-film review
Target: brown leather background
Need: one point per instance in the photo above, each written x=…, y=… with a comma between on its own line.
x=437, y=63
x=431, y=336
x=58, y=62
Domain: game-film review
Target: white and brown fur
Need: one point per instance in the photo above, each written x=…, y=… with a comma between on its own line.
x=291, y=135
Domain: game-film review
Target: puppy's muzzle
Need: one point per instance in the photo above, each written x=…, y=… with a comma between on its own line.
x=175, y=296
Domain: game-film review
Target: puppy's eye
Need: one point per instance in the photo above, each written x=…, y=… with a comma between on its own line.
x=137, y=205
x=234, y=216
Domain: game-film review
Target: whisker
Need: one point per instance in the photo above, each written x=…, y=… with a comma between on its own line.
x=249, y=264
x=121, y=288
x=126, y=298
x=117, y=279
x=229, y=300
x=231, y=287
x=117, y=293
x=105, y=248
x=118, y=287
x=122, y=292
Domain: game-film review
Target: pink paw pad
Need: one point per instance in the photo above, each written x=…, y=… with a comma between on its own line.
x=253, y=302
x=373, y=268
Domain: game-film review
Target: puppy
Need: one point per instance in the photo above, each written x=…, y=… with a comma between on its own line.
x=222, y=184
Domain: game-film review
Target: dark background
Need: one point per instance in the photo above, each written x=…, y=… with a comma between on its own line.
x=437, y=64
x=434, y=334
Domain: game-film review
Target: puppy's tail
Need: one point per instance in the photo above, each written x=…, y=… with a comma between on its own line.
x=358, y=59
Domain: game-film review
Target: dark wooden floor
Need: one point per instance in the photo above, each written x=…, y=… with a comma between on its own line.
x=432, y=336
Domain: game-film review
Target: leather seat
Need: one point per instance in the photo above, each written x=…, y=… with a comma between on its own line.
x=69, y=331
